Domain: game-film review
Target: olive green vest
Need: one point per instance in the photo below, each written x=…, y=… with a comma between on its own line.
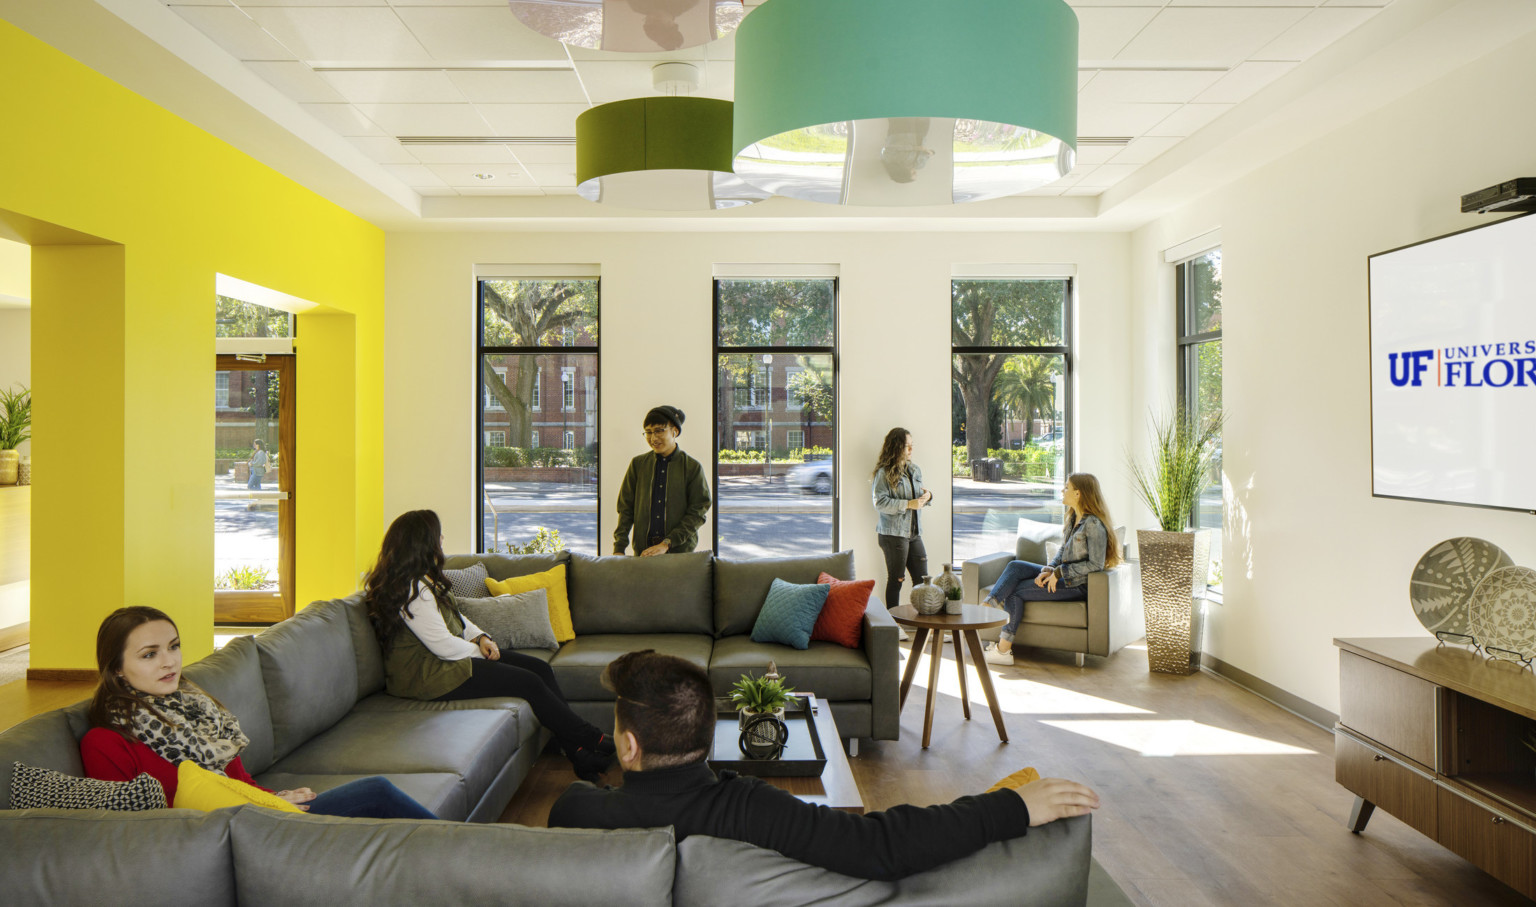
x=412, y=671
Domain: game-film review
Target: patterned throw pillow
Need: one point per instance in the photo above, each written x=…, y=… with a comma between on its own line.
x=514, y=621
x=789, y=612
x=42, y=788
x=467, y=582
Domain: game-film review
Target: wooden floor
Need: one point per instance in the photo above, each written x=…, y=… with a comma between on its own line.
x=1211, y=795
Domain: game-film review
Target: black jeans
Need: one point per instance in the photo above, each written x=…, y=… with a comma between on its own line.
x=902, y=553
x=528, y=678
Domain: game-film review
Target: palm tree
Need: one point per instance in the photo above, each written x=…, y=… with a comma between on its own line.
x=1026, y=386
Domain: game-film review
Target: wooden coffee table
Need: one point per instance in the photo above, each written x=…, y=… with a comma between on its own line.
x=836, y=787
x=970, y=619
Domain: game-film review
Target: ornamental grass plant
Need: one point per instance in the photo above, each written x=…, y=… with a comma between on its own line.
x=1183, y=453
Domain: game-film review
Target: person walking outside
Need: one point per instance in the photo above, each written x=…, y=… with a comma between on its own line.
x=257, y=464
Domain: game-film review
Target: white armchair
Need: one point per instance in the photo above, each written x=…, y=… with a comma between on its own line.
x=1111, y=618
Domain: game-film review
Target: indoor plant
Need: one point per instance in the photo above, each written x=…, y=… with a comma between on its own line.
x=761, y=695
x=15, y=427
x=1175, y=560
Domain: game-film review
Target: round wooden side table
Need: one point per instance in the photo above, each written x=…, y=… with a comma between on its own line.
x=970, y=619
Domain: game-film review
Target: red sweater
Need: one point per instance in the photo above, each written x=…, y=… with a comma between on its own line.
x=109, y=756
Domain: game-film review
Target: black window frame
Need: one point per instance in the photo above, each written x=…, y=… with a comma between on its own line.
x=714, y=399
x=481, y=351
x=1188, y=351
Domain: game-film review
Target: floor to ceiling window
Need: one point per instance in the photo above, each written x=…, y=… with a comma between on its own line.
x=1198, y=292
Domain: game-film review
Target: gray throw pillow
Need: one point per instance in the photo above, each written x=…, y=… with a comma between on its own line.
x=468, y=582
x=42, y=788
x=514, y=621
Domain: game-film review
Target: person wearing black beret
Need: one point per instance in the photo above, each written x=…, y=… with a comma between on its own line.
x=664, y=498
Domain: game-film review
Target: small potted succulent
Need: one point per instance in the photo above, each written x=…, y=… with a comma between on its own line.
x=761, y=695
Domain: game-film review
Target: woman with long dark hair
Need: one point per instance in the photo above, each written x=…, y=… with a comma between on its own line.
x=145, y=717
x=1088, y=546
x=899, y=499
x=433, y=652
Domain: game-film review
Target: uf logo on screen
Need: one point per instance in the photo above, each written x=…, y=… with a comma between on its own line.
x=1413, y=366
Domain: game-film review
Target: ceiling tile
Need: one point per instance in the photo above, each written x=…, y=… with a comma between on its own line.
x=546, y=154
x=297, y=81
x=506, y=175
x=1319, y=29
x=255, y=3
x=611, y=80
x=384, y=149
x=344, y=119
x=483, y=155
x=1079, y=4
x=532, y=119
x=1225, y=35
x=1076, y=191
x=1084, y=77
x=1144, y=150
x=1103, y=32
x=1147, y=87
x=1249, y=3
x=502, y=3
x=477, y=33
x=342, y=33
x=1108, y=175
x=519, y=87
x=235, y=32
x=1189, y=119
x=413, y=175
x=375, y=87
x=1120, y=119
x=1096, y=154
x=426, y=119
x=696, y=54
x=553, y=175
x=1243, y=82
x=505, y=190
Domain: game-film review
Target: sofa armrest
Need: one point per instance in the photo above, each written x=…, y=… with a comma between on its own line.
x=980, y=573
x=1115, y=614
x=880, y=647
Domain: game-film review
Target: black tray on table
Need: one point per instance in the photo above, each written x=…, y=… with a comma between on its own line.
x=803, y=756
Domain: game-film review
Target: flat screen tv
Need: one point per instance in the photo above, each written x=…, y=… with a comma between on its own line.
x=1453, y=368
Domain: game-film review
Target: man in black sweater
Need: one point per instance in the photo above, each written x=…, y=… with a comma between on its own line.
x=664, y=723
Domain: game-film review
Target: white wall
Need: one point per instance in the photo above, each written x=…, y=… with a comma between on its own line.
x=16, y=353
x=894, y=325
x=1310, y=555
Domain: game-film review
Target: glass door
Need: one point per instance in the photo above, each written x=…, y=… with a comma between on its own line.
x=253, y=482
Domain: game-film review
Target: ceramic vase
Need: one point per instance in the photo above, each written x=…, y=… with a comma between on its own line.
x=927, y=598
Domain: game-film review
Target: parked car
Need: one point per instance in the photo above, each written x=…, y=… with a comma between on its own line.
x=814, y=475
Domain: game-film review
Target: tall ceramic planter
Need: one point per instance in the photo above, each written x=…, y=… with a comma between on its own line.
x=10, y=463
x=1173, y=570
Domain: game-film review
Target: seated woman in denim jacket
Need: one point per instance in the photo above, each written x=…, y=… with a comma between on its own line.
x=1089, y=546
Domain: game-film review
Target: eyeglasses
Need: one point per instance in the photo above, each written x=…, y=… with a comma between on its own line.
x=657, y=432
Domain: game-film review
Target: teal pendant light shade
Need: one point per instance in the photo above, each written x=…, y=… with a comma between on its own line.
x=905, y=102
x=664, y=154
x=631, y=26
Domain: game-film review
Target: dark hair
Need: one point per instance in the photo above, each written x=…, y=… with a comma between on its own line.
x=116, y=700
x=893, y=455
x=411, y=557
x=259, y=444
x=667, y=703
x=665, y=415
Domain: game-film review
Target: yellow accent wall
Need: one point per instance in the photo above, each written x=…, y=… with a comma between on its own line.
x=123, y=349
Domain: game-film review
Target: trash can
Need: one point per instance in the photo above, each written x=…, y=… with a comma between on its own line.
x=994, y=469
x=979, y=469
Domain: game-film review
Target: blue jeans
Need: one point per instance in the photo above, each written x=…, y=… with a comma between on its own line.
x=371, y=798
x=254, y=481
x=1017, y=586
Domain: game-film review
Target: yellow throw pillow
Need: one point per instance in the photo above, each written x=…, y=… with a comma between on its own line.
x=198, y=788
x=1016, y=780
x=552, y=581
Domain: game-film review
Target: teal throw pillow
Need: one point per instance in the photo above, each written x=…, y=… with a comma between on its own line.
x=789, y=613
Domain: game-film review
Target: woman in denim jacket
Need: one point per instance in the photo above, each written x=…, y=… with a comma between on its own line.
x=1089, y=546
x=899, y=499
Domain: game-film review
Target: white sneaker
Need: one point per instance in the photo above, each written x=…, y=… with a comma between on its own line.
x=901, y=634
x=993, y=657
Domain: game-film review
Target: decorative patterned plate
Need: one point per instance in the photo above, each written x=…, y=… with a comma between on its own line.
x=1503, y=611
x=1444, y=578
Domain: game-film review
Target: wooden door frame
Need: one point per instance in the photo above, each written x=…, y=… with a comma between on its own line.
x=247, y=606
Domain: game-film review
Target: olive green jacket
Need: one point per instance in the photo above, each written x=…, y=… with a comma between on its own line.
x=686, y=505
x=413, y=671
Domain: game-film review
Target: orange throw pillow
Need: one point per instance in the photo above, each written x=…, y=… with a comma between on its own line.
x=1016, y=780
x=842, y=618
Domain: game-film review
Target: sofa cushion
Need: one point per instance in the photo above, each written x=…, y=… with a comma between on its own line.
x=826, y=669
x=52, y=856
x=527, y=724
x=741, y=585
x=580, y=663
x=505, y=566
x=1048, y=866
x=1035, y=540
x=309, y=669
x=474, y=744
x=668, y=594
x=441, y=792
x=46, y=741
x=789, y=612
x=1057, y=614
x=365, y=645
x=325, y=861
x=232, y=675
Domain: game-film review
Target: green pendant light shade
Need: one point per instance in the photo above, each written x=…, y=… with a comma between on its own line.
x=668, y=154
x=905, y=102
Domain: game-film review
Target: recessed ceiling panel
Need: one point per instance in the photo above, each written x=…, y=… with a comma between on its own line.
x=506, y=175
x=1319, y=29
x=483, y=155
x=1137, y=87
x=1103, y=32
x=235, y=32
x=1242, y=82
x=1143, y=150
x=343, y=118
x=541, y=120
x=1189, y=119
x=1107, y=175
x=376, y=87
x=553, y=175
x=477, y=33
x=520, y=87
x=1228, y=35
x=546, y=154
x=426, y=119
x=341, y=33
x=297, y=81
x=1120, y=119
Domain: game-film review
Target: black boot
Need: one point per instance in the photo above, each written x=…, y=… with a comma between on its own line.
x=589, y=765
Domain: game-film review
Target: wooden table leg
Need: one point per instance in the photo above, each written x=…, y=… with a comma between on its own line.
x=974, y=641
x=935, y=658
x=965, y=697
x=906, y=679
